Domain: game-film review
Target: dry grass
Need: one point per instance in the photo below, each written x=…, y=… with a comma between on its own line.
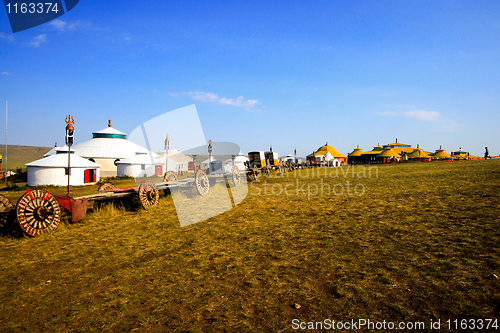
x=18, y=156
x=421, y=244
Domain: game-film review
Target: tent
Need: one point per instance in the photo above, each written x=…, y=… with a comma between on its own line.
x=53, y=170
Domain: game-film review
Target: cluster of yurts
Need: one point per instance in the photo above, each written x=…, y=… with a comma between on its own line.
x=109, y=154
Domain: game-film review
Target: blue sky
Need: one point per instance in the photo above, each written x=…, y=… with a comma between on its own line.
x=286, y=73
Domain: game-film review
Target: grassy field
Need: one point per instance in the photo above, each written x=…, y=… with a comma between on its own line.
x=18, y=156
x=407, y=243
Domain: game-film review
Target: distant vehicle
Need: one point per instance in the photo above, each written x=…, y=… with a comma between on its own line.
x=256, y=164
x=263, y=162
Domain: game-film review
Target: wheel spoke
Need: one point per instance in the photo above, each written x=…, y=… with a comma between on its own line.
x=37, y=212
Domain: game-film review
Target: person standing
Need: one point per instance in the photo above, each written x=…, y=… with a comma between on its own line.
x=486, y=153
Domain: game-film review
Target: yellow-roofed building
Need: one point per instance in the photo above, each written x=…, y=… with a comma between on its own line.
x=388, y=156
x=322, y=152
x=370, y=156
x=418, y=153
x=441, y=154
x=399, y=147
x=462, y=155
x=389, y=153
x=356, y=153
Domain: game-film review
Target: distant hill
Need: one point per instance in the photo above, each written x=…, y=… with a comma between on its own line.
x=18, y=156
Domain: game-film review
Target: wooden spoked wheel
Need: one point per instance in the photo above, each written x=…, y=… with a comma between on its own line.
x=106, y=187
x=236, y=175
x=202, y=183
x=255, y=172
x=38, y=212
x=5, y=207
x=170, y=177
x=148, y=194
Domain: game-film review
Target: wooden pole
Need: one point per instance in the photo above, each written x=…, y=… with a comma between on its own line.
x=5, y=175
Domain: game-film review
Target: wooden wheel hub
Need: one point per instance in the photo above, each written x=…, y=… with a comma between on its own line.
x=236, y=175
x=202, y=183
x=38, y=212
x=170, y=177
x=148, y=194
x=41, y=213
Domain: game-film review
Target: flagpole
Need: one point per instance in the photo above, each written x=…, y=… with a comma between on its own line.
x=6, y=108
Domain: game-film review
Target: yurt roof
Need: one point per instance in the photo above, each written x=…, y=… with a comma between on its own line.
x=61, y=161
x=397, y=144
x=58, y=150
x=107, y=148
x=459, y=152
x=327, y=148
x=175, y=155
x=109, y=130
x=240, y=158
x=375, y=151
x=356, y=152
x=441, y=153
x=417, y=152
x=388, y=152
x=108, y=143
x=141, y=158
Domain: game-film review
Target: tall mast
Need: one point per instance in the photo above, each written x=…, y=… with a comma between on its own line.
x=6, y=108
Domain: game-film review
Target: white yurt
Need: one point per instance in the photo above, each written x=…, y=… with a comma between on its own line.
x=288, y=158
x=177, y=161
x=141, y=164
x=107, y=147
x=240, y=160
x=53, y=170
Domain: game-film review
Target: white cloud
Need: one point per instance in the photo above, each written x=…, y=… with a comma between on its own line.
x=420, y=115
x=5, y=73
x=36, y=41
x=59, y=24
x=63, y=25
x=423, y=115
x=5, y=36
x=214, y=98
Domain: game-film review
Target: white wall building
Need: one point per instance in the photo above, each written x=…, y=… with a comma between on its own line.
x=107, y=147
x=177, y=161
x=53, y=170
x=240, y=160
x=140, y=165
